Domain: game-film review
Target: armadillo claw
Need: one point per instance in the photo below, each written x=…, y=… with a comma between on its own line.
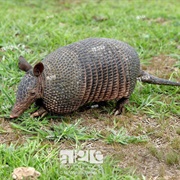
x=116, y=112
x=40, y=112
x=120, y=106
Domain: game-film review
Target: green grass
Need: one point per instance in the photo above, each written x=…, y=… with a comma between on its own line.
x=122, y=137
x=62, y=131
x=44, y=157
x=170, y=157
x=34, y=29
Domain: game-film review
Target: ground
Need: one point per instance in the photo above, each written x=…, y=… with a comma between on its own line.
x=144, y=141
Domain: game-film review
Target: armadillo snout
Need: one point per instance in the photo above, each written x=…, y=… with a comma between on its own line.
x=18, y=108
x=12, y=116
x=16, y=112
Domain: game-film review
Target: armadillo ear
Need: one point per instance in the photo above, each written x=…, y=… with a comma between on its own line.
x=23, y=64
x=38, y=69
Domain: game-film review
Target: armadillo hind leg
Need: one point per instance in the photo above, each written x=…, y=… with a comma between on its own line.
x=120, y=105
x=40, y=112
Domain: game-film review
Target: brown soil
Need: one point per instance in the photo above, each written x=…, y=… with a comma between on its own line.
x=162, y=66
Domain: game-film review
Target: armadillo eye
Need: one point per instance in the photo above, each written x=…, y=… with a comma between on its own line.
x=32, y=93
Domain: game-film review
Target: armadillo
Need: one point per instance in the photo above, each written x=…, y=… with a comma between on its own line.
x=91, y=70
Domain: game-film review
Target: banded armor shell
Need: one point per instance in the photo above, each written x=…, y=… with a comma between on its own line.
x=91, y=70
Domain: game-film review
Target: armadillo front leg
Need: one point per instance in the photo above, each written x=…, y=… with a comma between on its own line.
x=40, y=112
x=120, y=105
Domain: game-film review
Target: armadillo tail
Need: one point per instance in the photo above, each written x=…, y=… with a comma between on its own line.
x=148, y=78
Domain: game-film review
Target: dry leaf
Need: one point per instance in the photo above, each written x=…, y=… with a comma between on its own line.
x=25, y=173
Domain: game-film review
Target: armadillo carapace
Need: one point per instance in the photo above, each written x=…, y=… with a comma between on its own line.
x=91, y=70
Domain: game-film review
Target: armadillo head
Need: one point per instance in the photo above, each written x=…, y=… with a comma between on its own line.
x=30, y=87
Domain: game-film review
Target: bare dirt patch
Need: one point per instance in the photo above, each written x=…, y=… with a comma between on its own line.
x=8, y=135
x=139, y=156
x=162, y=66
x=159, y=20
